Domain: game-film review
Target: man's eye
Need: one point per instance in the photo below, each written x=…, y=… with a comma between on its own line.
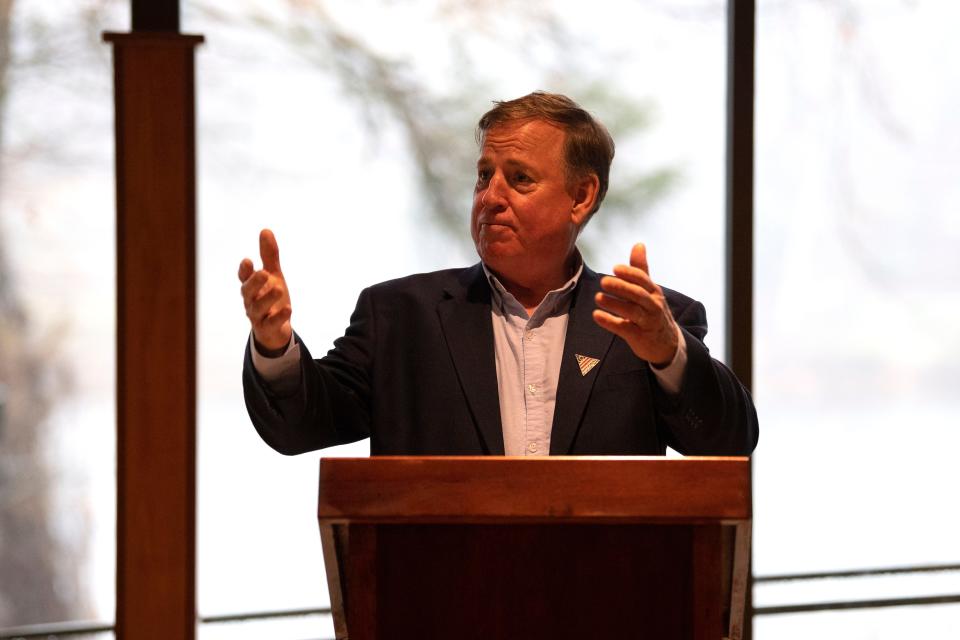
x=523, y=178
x=483, y=175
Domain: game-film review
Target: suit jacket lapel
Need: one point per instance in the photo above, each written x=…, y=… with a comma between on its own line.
x=586, y=338
x=468, y=329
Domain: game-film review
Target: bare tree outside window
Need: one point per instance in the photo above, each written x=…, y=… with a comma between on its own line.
x=435, y=105
x=55, y=69
x=45, y=55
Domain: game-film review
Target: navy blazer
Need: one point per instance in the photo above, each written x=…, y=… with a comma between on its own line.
x=415, y=372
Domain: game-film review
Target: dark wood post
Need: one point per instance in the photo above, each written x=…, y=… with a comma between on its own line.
x=739, y=254
x=741, y=42
x=156, y=335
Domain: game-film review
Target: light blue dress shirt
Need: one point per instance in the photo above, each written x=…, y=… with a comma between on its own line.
x=528, y=352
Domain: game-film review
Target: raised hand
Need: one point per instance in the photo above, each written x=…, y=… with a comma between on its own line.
x=266, y=299
x=633, y=307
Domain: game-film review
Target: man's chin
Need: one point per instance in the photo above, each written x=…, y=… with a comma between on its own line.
x=497, y=256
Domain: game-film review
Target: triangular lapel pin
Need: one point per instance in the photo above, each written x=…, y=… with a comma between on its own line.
x=586, y=363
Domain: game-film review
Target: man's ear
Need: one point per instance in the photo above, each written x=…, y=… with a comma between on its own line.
x=584, y=194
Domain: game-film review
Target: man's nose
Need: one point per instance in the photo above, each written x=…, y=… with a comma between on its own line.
x=494, y=194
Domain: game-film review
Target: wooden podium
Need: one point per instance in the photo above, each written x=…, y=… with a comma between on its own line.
x=528, y=548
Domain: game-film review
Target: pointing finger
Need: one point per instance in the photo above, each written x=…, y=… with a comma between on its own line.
x=269, y=251
x=638, y=257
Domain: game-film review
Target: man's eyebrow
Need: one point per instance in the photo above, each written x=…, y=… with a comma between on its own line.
x=510, y=163
x=518, y=164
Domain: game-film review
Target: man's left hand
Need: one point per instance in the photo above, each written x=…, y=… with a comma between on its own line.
x=633, y=307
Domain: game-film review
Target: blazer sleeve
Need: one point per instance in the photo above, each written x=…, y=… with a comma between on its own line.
x=332, y=404
x=713, y=414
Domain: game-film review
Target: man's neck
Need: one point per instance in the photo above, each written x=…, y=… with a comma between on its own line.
x=530, y=292
x=529, y=297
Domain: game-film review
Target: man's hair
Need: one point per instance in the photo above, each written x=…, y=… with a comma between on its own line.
x=588, y=147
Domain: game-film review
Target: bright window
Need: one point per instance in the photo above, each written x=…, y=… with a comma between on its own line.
x=857, y=306
x=296, y=135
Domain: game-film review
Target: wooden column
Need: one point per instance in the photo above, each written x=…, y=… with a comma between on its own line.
x=739, y=192
x=741, y=70
x=156, y=335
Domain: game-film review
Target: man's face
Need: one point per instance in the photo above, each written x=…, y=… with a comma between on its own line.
x=524, y=219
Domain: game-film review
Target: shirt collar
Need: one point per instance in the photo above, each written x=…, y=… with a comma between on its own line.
x=554, y=302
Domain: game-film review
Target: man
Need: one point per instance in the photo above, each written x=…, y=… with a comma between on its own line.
x=527, y=353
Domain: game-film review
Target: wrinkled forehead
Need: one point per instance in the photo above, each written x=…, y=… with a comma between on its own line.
x=531, y=136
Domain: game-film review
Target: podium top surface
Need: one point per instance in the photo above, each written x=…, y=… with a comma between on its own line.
x=485, y=489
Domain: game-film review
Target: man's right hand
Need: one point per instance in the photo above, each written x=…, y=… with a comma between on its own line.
x=266, y=299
